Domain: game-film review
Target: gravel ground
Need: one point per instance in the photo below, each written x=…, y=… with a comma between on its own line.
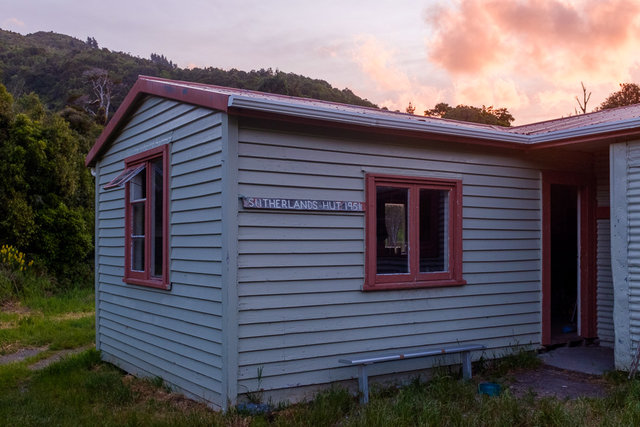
x=548, y=381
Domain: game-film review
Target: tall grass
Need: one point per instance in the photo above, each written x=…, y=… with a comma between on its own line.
x=81, y=390
x=20, y=285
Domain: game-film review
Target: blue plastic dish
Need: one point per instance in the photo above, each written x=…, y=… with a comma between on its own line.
x=490, y=389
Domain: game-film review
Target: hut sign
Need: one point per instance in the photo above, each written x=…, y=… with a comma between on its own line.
x=302, y=205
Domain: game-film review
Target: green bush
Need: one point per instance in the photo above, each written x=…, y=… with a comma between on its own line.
x=46, y=192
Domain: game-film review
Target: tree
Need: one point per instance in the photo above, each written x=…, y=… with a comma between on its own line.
x=585, y=99
x=439, y=110
x=46, y=193
x=410, y=108
x=628, y=94
x=162, y=61
x=102, y=87
x=467, y=113
x=91, y=41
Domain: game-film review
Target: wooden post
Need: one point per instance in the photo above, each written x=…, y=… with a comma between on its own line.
x=466, y=365
x=363, y=384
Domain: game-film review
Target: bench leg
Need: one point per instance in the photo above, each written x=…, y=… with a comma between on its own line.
x=466, y=365
x=363, y=384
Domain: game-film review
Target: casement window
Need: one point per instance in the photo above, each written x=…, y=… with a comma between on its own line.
x=146, y=249
x=414, y=232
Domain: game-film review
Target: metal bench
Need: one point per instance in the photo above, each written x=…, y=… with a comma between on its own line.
x=363, y=362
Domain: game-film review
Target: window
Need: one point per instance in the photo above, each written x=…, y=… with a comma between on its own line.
x=146, y=218
x=414, y=232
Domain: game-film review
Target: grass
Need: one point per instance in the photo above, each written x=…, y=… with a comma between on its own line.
x=81, y=390
x=446, y=401
x=58, y=321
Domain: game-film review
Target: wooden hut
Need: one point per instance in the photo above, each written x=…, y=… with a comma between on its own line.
x=250, y=241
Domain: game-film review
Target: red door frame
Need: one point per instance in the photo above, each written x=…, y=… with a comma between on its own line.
x=587, y=210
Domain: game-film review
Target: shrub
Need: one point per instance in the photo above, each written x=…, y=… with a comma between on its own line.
x=13, y=259
x=19, y=277
x=46, y=192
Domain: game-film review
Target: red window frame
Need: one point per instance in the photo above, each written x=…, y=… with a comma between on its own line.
x=144, y=278
x=414, y=279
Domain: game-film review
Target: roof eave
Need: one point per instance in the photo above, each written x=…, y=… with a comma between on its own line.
x=605, y=132
x=359, y=119
x=152, y=86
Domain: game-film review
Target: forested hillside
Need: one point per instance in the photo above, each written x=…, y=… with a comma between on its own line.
x=58, y=68
x=59, y=93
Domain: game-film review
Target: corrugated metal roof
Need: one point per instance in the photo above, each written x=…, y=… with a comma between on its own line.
x=579, y=121
x=602, y=126
x=320, y=104
x=564, y=123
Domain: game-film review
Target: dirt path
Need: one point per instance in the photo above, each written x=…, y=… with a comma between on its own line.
x=26, y=353
x=21, y=354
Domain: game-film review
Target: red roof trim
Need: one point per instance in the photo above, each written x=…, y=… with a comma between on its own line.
x=377, y=130
x=159, y=87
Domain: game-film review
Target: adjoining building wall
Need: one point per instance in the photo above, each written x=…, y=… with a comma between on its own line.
x=176, y=334
x=624, y=160
x=633, y=208
x=300, y=278
x=604, y=279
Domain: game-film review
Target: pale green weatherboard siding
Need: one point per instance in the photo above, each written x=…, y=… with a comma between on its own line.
x=301, y=307
x=176, y=334
x=604, y=279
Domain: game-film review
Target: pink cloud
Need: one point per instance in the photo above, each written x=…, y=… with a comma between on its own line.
x=379, y=65
x=533, y=36
x=465, y=38
x=377, y=62
x=490, y=92
x=12, y=23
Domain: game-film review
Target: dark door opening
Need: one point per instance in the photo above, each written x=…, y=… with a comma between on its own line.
x=564, y=264
x=568, y=257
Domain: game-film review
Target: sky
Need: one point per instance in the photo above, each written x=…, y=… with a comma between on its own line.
x=529, y=56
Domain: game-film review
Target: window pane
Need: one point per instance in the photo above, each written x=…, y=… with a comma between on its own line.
x=138, y=186
x=137, y=253
x=137, y=238
x=392, y=233
x=156, y=218
x=137, y=228
x=434, y=230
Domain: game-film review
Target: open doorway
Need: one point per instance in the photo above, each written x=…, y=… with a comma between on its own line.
x=568, y=258
x=564, y=264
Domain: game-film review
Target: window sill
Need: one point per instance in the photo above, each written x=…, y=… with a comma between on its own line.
x=157, y=284
x=413, y=285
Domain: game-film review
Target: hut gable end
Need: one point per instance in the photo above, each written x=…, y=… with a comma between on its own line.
x=175, y=334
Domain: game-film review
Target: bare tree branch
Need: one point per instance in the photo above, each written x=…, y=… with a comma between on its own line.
x=102, y=87
x=585, y=99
